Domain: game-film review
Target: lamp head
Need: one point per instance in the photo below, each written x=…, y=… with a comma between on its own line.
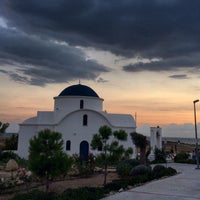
x=195, y=101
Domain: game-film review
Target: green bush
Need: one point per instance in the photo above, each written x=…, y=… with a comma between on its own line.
x=181, y=157
x=125, y=166
x=160, y=156
x=11, y=143
x=139, y=179
x=100, y=160
x=171, y=171
x=85, y=193
x=159, y=171
x=35, y=195
x=85, y=168
x=141, y=170
x=116, y=185
x=191, y=161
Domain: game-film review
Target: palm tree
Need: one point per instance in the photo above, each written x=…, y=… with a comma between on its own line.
x=140, y=141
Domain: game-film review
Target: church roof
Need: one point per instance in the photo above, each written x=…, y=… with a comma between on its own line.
x=79, y=90
x=120, y=120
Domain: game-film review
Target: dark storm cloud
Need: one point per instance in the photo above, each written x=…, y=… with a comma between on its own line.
x=179, y=76
x=40, y=61
x=168, y=30
x=192, y=61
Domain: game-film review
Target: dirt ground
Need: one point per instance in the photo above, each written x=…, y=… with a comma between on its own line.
x=60, y=186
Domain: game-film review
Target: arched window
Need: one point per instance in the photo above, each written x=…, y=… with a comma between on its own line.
x=81, y=104
x=85, y=120
x=68, y=145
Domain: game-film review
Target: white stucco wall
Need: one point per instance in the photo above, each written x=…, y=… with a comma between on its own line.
x=25, y=134
x=65, y=104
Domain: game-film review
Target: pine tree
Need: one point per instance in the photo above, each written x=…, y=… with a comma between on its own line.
x=47, y=159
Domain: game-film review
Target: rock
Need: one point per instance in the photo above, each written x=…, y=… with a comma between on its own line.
x=121, y=190
x=11, y=165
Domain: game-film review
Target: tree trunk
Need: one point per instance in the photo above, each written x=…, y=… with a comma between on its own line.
x=106, y=166
x=143, y=156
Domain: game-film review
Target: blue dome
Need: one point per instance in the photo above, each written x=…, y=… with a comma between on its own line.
x=78, y=90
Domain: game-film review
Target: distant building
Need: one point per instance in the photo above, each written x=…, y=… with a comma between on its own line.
x=155, y=140
x=77, y=115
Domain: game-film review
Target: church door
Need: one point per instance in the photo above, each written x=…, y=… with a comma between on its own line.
x=84, y=150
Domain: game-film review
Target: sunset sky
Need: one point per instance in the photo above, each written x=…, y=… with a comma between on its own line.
x=139, y=56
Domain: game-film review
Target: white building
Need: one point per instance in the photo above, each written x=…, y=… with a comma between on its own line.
x=155, y=141
x=78, y=114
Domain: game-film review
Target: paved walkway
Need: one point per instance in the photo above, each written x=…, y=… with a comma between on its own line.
x=184, y=186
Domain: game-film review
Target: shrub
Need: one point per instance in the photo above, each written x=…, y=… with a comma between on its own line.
x=11, y=143
x=160, y=156
x=100, y=160
x=159, y=171
x=85, y=193
x=35, y=195
x=191, y=161
x=181, y=157
x=84, y=168
x=141, y=170
x=139, y=179
x=171, y=171
x=125, y=166
x=115, y=185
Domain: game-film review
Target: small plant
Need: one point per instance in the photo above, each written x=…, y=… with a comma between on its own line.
x=100, y=160
x=160, y=156
x=84, y=167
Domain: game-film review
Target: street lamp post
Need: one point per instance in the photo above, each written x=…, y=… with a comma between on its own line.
x=196, y=138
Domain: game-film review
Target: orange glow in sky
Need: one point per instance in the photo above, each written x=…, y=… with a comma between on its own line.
x=151, y=103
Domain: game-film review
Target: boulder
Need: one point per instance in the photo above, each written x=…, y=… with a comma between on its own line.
x=11, y=165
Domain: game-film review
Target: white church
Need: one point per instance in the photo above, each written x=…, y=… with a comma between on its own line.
x=78, y=114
